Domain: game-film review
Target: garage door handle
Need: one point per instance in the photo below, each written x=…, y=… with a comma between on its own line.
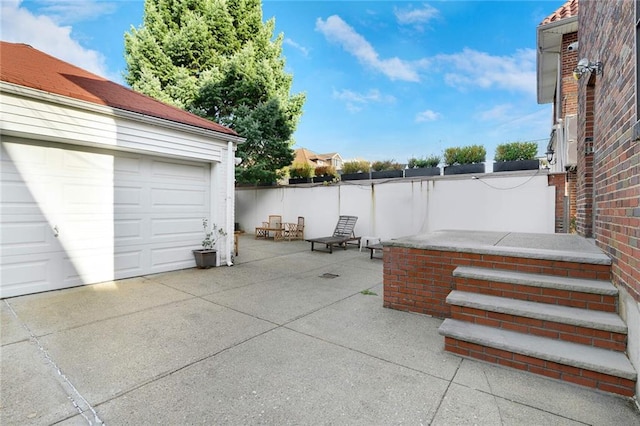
x=55, y=231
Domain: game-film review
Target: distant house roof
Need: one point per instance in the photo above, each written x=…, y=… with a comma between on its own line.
x=25, y=66
x=549, y=41
x=328, y=156
x=303, y=155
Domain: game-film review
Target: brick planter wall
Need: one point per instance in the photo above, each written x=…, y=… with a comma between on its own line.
x=419, y=280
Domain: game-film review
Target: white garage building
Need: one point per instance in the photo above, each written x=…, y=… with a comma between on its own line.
x=98, y=182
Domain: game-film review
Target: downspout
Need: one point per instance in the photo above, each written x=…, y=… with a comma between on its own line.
x=559, y=99
x=231, y=178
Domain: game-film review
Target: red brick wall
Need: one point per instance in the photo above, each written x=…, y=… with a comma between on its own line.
x=569, y=85
x=584, y=185
x=607, y=33
x=558, y=180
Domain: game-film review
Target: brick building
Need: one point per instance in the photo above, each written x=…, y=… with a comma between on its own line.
x=607, y=162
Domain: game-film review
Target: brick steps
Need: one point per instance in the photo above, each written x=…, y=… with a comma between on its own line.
x=610, y=371
x=557, y=326
x=551, y=289
x=594, y=328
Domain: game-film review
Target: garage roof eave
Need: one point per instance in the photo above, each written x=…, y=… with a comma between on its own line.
x=227, y=137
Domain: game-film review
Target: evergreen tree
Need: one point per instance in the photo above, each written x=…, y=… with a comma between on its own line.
x=218, y=59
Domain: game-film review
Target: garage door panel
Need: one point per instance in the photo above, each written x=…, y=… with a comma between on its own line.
x=88, y=197
x=30, y=274
x=18, y=154
x=24, y=235
x=30, y=235
x=177, y=199
x=128, y=198
x=182, y=228
x=128, y=167
x=178, y=172
x=81, y=164
x=172, y=257
x=85, y=232
x=128, y=231
x=90, y=265
x=18, y=199
x=129, y=263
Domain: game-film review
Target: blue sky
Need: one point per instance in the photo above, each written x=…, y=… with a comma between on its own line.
x=384, y=80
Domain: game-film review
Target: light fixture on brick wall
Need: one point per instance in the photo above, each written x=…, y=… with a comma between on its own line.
x=585, y=66
x=550, y=153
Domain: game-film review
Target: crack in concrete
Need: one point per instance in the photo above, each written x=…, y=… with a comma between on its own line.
x=73, y=394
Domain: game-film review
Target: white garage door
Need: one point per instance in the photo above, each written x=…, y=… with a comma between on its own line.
x=72, y=216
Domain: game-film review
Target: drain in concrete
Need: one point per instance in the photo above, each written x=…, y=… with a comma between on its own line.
x=329, y=275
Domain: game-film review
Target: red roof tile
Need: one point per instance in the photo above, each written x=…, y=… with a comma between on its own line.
x=23, y=65
x=567, y=10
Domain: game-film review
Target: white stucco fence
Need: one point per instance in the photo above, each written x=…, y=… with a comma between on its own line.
x=516, y=202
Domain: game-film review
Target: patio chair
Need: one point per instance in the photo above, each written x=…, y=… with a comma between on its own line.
x=342, y=235
x=274, y=225
x=294, y=231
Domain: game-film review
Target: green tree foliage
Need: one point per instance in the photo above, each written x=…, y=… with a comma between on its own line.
x=218, y=59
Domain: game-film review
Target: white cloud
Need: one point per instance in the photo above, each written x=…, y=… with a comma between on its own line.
x=338, y=31
x=18, y=25
x=471, y=68
x=497, y=113
x=427, y=115
x=356, y=101
x=372, y=95
x=416, y=16
x=300, y=48
x=71, y=11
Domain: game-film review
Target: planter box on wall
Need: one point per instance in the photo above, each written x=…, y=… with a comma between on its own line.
x=293, y=181
x=354, y=176
x=206, y=259
x=320, y=179
x=464, y=169
x=510, y=166
x=422, y=171
x=386, y=174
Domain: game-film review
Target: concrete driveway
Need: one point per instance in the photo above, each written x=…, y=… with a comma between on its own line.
x=286, y=336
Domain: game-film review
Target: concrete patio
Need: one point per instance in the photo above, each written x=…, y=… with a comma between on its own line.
x=286, y=336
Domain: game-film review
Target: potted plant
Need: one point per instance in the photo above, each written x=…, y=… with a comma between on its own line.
x=423, y=166
x=325, y=174
x=516, y=156
x=355, y=170
x=300, y=173
x=207, y=256
x=466, y=159
x=386, y=169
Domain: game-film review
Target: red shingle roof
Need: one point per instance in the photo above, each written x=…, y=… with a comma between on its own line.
x=567, y=10
x=23, y=65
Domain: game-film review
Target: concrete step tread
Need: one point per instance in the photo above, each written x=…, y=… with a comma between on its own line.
x=599, y=320
x=537, y=280
x=581, y=356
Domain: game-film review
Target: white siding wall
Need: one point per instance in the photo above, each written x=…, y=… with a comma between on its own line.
x=82, y=123
x=517, y=202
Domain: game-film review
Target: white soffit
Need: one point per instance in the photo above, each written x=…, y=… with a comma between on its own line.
x=549, y=42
